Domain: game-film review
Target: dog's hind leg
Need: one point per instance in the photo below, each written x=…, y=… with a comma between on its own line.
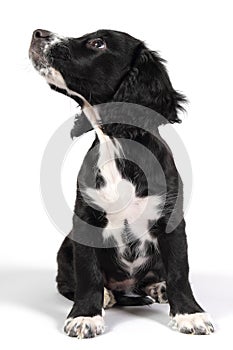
x=157, y=291
x=65, y=276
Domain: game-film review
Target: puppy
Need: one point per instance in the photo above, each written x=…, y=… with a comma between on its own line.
x=128, y=241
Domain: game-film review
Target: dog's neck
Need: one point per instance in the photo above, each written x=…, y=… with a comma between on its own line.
x=120, y=120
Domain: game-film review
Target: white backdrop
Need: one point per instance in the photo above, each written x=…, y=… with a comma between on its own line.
x=195, y=37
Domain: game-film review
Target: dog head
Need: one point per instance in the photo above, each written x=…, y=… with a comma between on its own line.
x=106, y=66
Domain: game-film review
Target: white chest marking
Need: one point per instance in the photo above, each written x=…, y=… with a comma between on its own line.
x=119, y=201
x=134, y=266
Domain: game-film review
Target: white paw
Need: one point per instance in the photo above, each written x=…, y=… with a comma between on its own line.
x=198, y=323
x=109, y=299
x=84, y=327
x=158, y=292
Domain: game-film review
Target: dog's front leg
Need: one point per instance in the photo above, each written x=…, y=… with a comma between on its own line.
x=85, y=319
x=187, y=316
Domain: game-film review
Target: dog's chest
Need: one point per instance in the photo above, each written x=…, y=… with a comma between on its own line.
x=134, y=255
x=128, y=216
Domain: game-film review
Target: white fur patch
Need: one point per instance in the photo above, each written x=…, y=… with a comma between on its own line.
x=134, y=266
x=55, y=40
x=84, y=327
x=197, y=323
x=118, y=198
x=157, y=291
x=53, y=77
x=109, y=299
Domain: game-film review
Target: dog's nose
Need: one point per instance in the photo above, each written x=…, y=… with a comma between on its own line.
x=39, y=34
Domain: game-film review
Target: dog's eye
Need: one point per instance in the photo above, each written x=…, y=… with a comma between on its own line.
x=97, y=44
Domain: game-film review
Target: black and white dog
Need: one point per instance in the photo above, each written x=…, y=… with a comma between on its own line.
x=128, y=243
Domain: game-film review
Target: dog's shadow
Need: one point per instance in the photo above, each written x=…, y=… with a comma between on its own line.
x=35, y=289
x=213, y=292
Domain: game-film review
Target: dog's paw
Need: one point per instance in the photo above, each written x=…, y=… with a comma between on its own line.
x=84, y=327
x=109, y=299
x=198, y=323
x=158, y=292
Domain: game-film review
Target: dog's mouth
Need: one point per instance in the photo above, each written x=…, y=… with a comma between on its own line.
x=42, y=43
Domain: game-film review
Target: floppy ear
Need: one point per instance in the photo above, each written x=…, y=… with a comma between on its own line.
x=148, y=84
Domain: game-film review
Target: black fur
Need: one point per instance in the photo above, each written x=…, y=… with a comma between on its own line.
x=124, y=72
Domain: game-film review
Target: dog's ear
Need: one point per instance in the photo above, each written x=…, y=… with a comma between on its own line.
x=148, y=84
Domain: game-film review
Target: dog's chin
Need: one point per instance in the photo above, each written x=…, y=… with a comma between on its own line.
x=53, y=77
x=50, y=74
x=55, y=80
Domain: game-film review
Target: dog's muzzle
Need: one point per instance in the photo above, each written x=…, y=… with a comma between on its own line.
x=41, y=40
x=44, y=48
